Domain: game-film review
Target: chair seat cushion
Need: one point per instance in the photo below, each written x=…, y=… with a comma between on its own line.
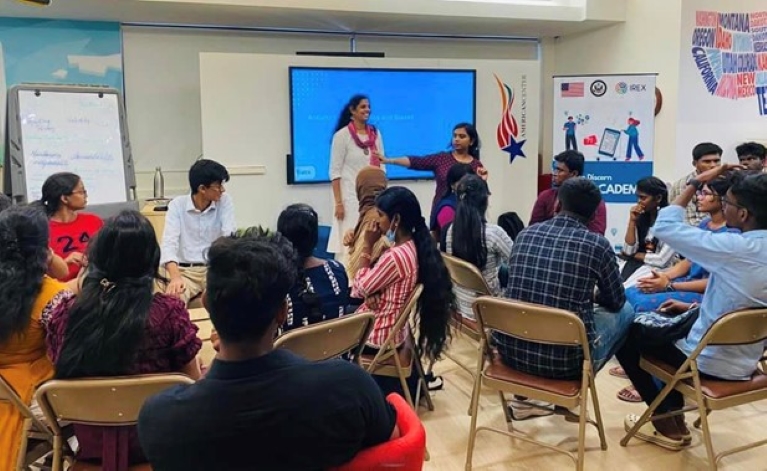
x=499, y=371
x=718, y=388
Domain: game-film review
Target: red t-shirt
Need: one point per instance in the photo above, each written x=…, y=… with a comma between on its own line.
x=68, y=237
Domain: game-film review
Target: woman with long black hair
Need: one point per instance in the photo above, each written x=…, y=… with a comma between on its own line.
x=471, y=238
x=464, y=146
x=444, y=211
x=356, y=144
x=118, y=326
x=412, y=259
x=322, y=291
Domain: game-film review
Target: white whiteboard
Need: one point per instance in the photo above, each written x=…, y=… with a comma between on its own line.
x=73, y=132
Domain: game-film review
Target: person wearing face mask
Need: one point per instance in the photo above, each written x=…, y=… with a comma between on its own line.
x=413, y=259
x=356, y=145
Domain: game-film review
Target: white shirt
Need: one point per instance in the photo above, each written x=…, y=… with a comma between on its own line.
x=189, y=231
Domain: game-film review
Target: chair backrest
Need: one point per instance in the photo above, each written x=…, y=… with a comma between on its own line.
x=102, y=401
x=738, y=328
x=532, y=322
x=466, y=275
x=329, y=339
x=406, y=452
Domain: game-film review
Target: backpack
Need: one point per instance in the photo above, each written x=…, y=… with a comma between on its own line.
x=511, y=223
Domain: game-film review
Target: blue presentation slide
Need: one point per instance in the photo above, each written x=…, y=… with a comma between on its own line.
x=414, y=110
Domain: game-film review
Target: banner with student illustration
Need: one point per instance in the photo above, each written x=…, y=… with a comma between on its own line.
x=609, y=119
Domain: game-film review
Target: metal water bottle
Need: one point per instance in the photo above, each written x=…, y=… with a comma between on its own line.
x=159, y=184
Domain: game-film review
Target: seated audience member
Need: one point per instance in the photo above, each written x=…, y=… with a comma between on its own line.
x=685, y=281
x=116, y=326
x=57, y=267
x=568, y=164
x=752, y=155
x=371, y=181
x=470, y=237
x=558, y=263
x=256, y=405
x=444, y=211
x=63, y=198
x=192, y=223
x=322, y=290
x=413, y=258
x=642, y=250
x=27, y=296
x=705, y=156
x=738, y=272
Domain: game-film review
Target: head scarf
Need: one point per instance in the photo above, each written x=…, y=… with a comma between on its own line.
x=370, y=182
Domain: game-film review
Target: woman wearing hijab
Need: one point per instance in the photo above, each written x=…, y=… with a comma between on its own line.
x=371, y=181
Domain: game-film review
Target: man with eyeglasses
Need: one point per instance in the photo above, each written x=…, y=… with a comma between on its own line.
x=751, y=155
x=193, y=222
x=738, y=281
x=568, y=164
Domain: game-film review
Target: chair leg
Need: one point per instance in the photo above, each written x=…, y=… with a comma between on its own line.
x=712, y=465
x=58, y=449
x=423, y=385
x=505, y=406
x=582, y=422
x=474, y=410
x=597, y=413
x=696, y=424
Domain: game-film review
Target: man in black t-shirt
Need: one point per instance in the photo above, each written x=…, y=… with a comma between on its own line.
x=260, y=408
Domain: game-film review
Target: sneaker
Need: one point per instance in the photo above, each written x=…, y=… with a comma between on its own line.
x=529, y=409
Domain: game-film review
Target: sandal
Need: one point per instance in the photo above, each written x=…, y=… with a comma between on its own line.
x=629, y=394
x=618, y=372
x=647, y=432
x=434, y=383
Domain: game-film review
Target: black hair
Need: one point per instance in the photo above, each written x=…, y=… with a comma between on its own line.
x=471, y=131
x=249, y=277
x=752, y=148
x=5, y=202
x=108, y=319
x=722, y=184
x=23, y=263
x=454, y=175
x=57, y=185
x=705, y=148
x=206, y=172
x=299, y=224
x=751, y=192
x=579, y=196
x=469, y=223
x=573, y=159
x=346, y=113
x=653, y=187
x=437, y=300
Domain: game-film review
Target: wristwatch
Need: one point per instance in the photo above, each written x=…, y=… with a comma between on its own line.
x=695, y=183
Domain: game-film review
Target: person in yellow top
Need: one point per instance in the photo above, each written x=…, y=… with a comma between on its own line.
x=27, y=295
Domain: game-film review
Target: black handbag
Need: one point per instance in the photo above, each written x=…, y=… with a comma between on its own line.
x=656, y=329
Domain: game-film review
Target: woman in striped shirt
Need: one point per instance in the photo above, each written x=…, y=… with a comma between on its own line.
x=413, y=259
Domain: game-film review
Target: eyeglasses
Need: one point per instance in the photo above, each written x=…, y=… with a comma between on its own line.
x=705, y=193
x=80, y=192
x=726, y=202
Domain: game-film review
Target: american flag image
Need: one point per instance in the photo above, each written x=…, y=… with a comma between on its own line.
x=572, y=90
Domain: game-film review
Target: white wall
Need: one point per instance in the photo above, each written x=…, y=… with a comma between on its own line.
x=162, y=87
x=248, y=124
x=648, y=42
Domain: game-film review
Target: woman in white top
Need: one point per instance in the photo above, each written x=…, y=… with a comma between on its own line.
x=471, y=238
x=356, y=144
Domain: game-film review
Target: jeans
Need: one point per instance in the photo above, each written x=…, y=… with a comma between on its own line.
x=570, y=142
x=611, y=329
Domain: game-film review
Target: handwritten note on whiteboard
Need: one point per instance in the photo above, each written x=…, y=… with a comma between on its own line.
x=73, y=132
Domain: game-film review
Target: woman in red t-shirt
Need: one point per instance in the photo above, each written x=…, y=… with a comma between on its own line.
x=465, y=150
x=63, y=195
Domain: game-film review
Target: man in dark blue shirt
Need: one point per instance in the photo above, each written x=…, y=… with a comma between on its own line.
x=260, y=408
x=559, y=263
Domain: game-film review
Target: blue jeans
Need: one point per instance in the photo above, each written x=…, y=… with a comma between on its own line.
x=611, y=329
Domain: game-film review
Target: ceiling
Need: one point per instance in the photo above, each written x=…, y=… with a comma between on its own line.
x=279, y=18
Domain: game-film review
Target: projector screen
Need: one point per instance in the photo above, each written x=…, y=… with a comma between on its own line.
x=414, y=110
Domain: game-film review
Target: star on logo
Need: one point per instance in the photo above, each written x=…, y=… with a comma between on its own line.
x=515, y=149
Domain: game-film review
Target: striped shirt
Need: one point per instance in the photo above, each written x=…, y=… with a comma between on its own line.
x=393, y=278
x=498, y=245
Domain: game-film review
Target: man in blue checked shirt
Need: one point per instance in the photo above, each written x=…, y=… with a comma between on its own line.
x=559, y=263
x=738, y=281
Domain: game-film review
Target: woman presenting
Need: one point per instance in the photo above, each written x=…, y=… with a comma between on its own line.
x=356, y=144
x=465, y=151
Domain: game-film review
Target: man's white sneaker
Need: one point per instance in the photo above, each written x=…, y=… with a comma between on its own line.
x=529, y=409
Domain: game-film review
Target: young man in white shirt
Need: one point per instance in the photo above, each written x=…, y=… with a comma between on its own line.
x=193, y=222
